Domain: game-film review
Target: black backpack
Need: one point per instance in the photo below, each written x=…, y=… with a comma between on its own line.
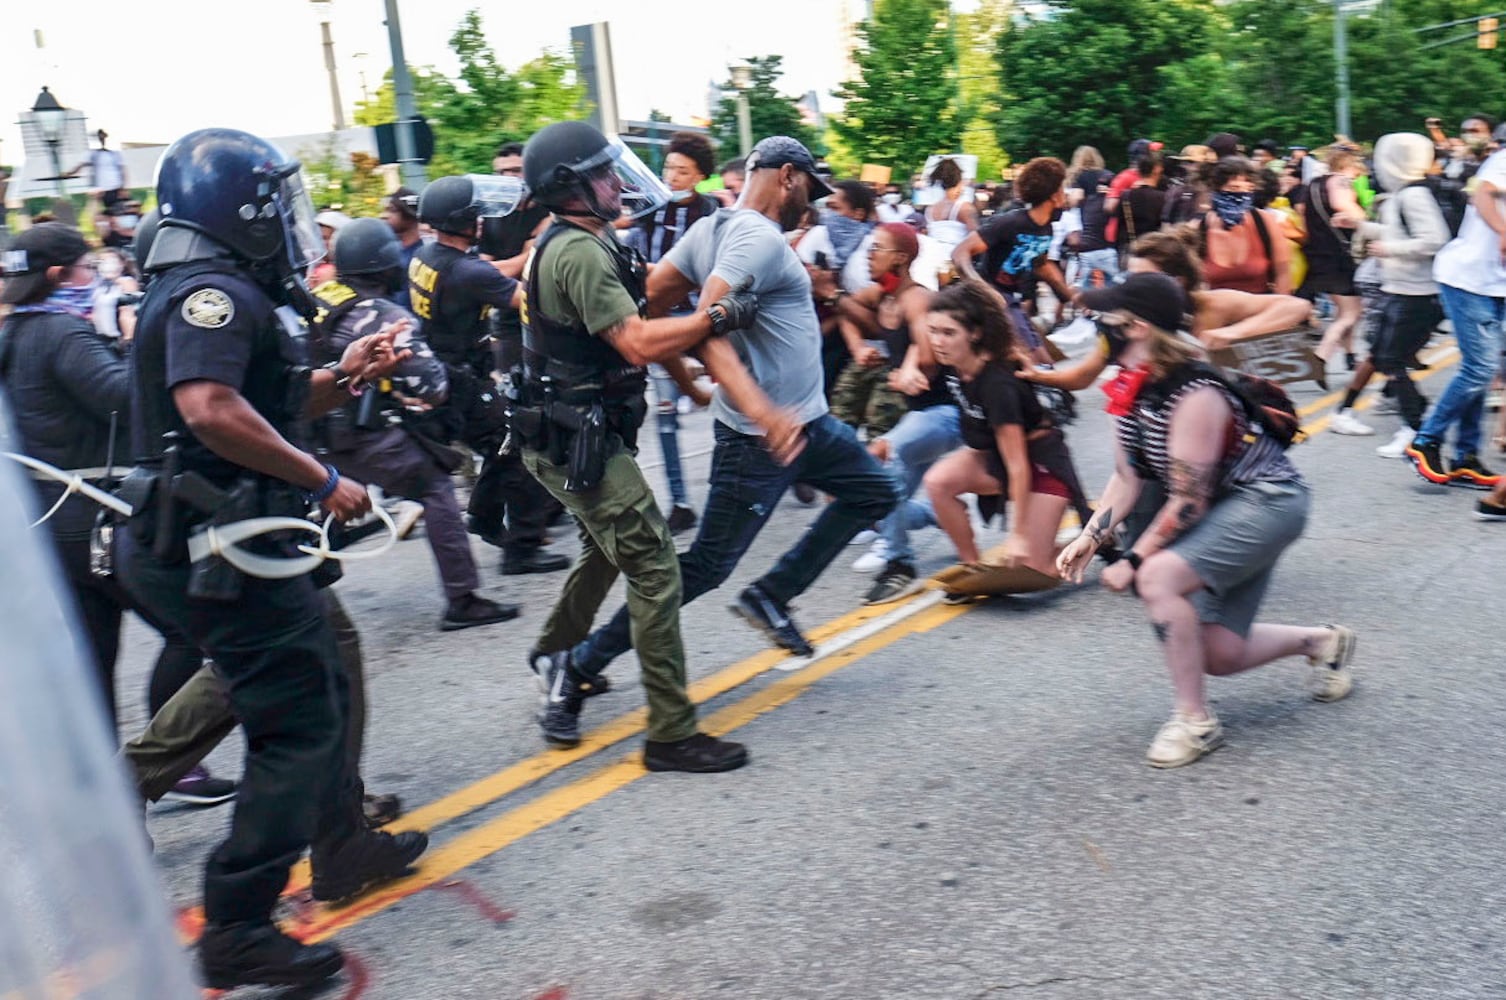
x=1451, y=197
x=1267, y=406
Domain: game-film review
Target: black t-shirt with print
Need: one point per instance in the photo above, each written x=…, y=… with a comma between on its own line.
x=992, y=400
x=1139, y=213
x=1015, y=243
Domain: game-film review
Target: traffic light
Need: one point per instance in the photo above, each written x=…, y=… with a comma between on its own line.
x=1487, y=36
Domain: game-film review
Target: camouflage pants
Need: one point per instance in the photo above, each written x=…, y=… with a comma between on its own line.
x=862, y=399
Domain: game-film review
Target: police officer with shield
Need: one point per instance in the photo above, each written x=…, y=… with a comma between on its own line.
x=217, y=394
x=585, y=345
x=455, y=292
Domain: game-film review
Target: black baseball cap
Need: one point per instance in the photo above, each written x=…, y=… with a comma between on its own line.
x=777, y=150
x=25, y=264
x=1224, y=144
x=1150, y=295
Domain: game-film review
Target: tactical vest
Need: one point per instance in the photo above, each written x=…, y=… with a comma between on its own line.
x=566, y=363
x=457, y=341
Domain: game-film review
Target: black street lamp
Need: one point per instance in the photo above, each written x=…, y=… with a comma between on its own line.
x=50, y=117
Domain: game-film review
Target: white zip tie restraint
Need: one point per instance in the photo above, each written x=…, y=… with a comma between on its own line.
x=224, y=540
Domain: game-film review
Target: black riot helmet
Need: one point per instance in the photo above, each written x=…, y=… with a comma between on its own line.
x=146, y=233
x=368, y=248
x=242, y=192
x=570, y=161
x=453, y=204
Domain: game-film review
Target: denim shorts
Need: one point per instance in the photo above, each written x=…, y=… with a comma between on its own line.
x=1234, y=549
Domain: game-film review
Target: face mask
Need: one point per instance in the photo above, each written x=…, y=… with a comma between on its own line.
x=889, y=283
x=109, y=268
x=126, y=221
x=1232, y=207
x=676, y=197
x=893, y=198
x=75, y=299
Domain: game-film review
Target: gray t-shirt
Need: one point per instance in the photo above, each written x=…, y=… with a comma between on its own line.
x=783, y=347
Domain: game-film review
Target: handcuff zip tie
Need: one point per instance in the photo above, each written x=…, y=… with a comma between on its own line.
x=222, y=540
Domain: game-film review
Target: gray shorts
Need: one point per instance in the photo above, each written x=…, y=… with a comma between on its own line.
x=1234, y=549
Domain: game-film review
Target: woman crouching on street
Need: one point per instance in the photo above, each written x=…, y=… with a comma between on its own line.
x=1235, y=502
x=1011, y=447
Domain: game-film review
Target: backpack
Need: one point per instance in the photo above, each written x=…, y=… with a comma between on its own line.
x=1451, y=197
x=1269, y=410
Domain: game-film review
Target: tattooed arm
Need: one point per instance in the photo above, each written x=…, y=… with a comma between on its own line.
x=1114, y=506
x=1199, y=430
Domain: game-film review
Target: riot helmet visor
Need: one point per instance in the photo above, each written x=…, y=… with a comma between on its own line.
x=495, y=195
x=304, y=241
x=641, y=192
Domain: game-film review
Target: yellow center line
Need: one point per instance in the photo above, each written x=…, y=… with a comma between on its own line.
x=515, y=824
x=1440, y=352
x=1439, y=361
x=533, y=769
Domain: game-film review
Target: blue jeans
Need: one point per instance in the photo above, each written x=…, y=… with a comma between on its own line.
x=746, y=484
x=1477, y=328
x=916, y=442
x=1106, y=261
x=667, y=394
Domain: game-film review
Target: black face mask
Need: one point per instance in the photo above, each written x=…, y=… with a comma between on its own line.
x=1113, y=336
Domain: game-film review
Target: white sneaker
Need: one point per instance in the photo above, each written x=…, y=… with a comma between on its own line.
x=1332, y=678
x=1183, y=740
x=1397, y=446
x=865, y=537
x=1345, y=422
x=875, y=559
x=1387, y=407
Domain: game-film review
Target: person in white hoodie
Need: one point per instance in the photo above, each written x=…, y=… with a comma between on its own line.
x=1409, y=231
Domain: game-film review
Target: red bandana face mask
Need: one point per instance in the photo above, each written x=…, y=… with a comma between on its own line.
x=1123, y=389
x=888, y=283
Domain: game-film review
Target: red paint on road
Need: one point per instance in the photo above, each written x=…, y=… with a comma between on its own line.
x=465, y=890
x=555, y=993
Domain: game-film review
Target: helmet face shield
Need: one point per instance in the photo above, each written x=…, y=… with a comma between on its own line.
x=304, y=241
x=495, y=195
x=642, y=192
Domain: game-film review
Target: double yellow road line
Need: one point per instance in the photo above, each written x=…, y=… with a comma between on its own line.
x=839, y=644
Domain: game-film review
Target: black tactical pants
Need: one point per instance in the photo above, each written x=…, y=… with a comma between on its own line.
x=276, y=651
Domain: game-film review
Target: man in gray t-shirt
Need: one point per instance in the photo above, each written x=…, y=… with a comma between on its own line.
x=782, y=350
x=772, y=425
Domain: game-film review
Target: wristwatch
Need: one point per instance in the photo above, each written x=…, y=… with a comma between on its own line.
x=342, y=380
x=1133, y=558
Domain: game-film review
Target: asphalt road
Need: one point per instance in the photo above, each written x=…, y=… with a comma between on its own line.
x=955, y=806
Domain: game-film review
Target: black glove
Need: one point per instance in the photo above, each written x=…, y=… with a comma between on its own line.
x=734, y=311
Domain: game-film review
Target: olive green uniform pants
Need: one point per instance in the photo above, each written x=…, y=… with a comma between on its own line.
x=622, y=531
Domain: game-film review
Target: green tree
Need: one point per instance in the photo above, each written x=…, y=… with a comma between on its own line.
x=978, y=40
x=1103, y=72
x=770, y=112
x=905, y=103
x=486, y=104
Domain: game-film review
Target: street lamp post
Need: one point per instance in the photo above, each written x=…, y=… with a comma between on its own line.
x=742, y=81
x=50, y=117
x=323, y=9
x=1341, y=67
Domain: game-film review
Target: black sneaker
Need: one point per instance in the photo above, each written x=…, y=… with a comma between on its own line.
x=258, y=954
x=518, y=563
x=1487, y=511
x=805, y=493
x=771, y=618
x=698, y=754
x=470, y=611
x=896, y=581
x=681, y=519
x=366, y=859
x=1428, y=461
x=1471, y=472
x=200, y=788
x=564, y=693
x=539, y=662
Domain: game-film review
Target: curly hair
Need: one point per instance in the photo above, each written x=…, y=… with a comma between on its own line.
x=979, y=310
x=697, y=148
x=859, y=196
x=1041, y=178
x=1228, y=168
x=1173, y=252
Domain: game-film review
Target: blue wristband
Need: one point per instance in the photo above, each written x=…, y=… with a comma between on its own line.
x=323, y=493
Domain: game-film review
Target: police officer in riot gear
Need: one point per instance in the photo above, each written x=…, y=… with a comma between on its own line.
x=373, y=437
x=585, y=344
x=454, y=292
x=217, y=390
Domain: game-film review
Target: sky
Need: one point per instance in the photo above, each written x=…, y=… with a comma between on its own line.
x=151, y=70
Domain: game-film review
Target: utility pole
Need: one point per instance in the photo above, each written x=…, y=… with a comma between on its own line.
x=329, y=64
x=1341, y=67
x=402, y=85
